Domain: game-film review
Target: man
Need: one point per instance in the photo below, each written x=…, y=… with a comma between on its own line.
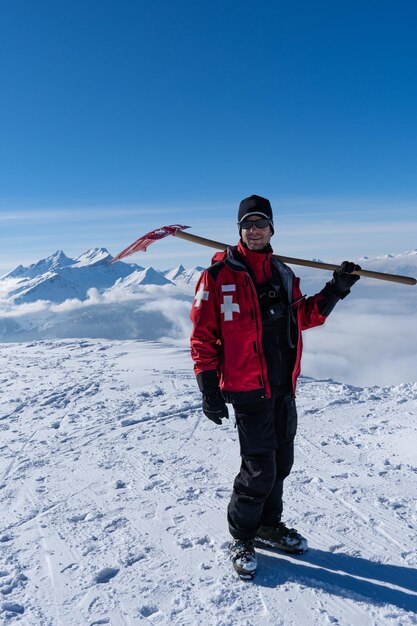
x=246, y=343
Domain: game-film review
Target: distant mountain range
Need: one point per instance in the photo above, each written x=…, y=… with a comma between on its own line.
x=58, y=277
x=401, y=263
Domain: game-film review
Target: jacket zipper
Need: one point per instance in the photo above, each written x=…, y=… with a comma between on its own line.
x=256, y=349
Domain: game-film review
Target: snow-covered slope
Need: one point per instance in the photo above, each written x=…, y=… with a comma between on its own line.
x=59, y=278
x=114, y=489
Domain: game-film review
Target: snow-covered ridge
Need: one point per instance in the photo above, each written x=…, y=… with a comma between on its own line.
x=404, y=263
x=58, y=278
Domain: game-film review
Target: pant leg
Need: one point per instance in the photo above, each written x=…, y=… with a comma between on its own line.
x=257, y=437
x=285, y=413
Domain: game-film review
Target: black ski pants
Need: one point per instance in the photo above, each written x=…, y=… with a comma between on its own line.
x=266, y=432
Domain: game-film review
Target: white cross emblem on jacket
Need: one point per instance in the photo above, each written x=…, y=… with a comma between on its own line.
x=200, y=295
x=229, y=307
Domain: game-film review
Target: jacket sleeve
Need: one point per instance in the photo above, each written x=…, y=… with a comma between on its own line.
x=309, y=314
x=307, y=310
x=206, y=333
x=315, y=309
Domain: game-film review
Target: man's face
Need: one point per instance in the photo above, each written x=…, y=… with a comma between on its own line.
x=256, y=238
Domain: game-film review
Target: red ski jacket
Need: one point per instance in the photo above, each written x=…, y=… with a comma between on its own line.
x=227, y=325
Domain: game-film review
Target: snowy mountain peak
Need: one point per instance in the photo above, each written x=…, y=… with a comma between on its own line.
x=58, y=257
x=181, y=276
x=92, y=256
x=58, y=278
x=16, y=273
x=52, y=263
x=174, y=273
x=148, y=276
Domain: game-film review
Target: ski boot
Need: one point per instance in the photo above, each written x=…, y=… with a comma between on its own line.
x=280, y=537
x=243, y=557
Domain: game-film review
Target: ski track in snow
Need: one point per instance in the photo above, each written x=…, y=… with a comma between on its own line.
x=114, y=490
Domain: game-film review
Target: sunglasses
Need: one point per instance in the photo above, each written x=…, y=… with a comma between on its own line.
x=247, y=224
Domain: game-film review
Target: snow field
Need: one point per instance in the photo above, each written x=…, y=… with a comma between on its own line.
x=114, y=489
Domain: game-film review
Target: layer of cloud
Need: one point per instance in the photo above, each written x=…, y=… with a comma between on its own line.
x=369, y=339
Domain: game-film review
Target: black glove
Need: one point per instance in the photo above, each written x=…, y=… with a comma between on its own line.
x=214, y=407
x=343, y=279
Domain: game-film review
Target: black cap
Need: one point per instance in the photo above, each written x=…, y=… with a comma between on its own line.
x=255, y=205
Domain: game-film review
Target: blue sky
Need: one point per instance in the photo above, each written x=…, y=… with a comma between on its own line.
x=119, y=117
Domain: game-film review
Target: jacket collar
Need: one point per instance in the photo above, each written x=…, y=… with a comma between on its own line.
x=259, y=263
x=238, y=262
